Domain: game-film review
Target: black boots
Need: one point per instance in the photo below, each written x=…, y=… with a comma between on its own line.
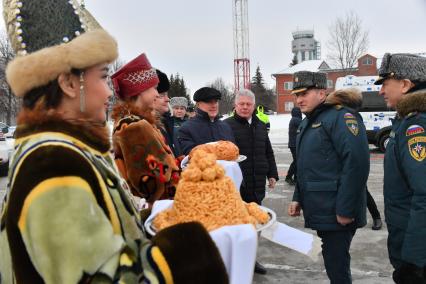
x=377, y=224
x=259, y=268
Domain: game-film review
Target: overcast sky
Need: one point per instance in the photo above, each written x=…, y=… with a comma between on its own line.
x=194, y=37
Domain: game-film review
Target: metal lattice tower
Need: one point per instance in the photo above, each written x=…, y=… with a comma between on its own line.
x=241, y=45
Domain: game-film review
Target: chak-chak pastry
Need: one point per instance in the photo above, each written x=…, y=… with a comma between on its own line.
x=224, y=150
x=206, y=195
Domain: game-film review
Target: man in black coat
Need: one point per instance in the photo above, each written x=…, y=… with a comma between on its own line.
x=251, y=137
x=205, y=126
x=296, y=119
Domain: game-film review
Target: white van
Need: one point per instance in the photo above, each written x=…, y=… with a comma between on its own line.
x=376, y=115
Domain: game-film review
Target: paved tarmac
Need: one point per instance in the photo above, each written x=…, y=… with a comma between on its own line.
x=370, y=264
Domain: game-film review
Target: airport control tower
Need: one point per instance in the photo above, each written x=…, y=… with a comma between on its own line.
x=305, y=47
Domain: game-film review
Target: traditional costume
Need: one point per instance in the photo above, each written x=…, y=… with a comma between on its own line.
x=67, y=216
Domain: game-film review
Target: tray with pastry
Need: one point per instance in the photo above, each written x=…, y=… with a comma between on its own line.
x=205, y=194
x=223, y=150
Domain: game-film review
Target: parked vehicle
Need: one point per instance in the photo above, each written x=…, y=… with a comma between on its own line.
x=376, y=115
x=6, y=148
x=11, y=132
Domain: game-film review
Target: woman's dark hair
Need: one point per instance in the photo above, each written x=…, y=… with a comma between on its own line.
x=51, y=92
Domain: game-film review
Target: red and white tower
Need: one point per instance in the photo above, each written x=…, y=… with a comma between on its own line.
x=241, y=45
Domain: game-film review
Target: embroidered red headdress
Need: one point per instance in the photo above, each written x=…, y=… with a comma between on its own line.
x=134, y=77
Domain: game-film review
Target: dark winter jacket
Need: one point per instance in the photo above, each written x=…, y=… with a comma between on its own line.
x=168, y=132
x=177, y=123
x=332, y=166
x=253, y=142
x=405, y=182
x=296, y=119
x=201, y=130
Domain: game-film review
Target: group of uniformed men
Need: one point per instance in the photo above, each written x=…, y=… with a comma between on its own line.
x=333, y=167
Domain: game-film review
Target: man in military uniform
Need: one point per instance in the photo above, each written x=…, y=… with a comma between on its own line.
x=333, y=166
x=403, y=79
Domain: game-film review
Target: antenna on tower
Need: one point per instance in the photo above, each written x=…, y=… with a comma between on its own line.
x=241, y=45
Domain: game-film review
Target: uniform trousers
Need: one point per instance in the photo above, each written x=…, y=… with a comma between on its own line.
x=335, y=252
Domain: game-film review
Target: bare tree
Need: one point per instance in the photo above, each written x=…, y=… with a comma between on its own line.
x=113, y=67
x=226, y=104
x=348, y=41
x=9, y=104
x=117, y=64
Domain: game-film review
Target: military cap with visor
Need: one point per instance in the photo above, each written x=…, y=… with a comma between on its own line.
x=305, y=80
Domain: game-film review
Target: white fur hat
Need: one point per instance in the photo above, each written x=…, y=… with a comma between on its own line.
x=179, y=101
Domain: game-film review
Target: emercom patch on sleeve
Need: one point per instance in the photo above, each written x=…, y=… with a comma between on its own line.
x=417, y=147
x=351, y=123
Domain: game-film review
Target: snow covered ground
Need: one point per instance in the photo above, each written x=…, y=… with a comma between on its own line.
x=279, y=128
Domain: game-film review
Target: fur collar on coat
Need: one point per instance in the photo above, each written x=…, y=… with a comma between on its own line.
x=123, y=109
x=412, y=102
x=351, y=98
x=39, y=120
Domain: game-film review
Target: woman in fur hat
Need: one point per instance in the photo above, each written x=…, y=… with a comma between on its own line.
x=141, y=152
x=179, y=106
x=67, y=217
